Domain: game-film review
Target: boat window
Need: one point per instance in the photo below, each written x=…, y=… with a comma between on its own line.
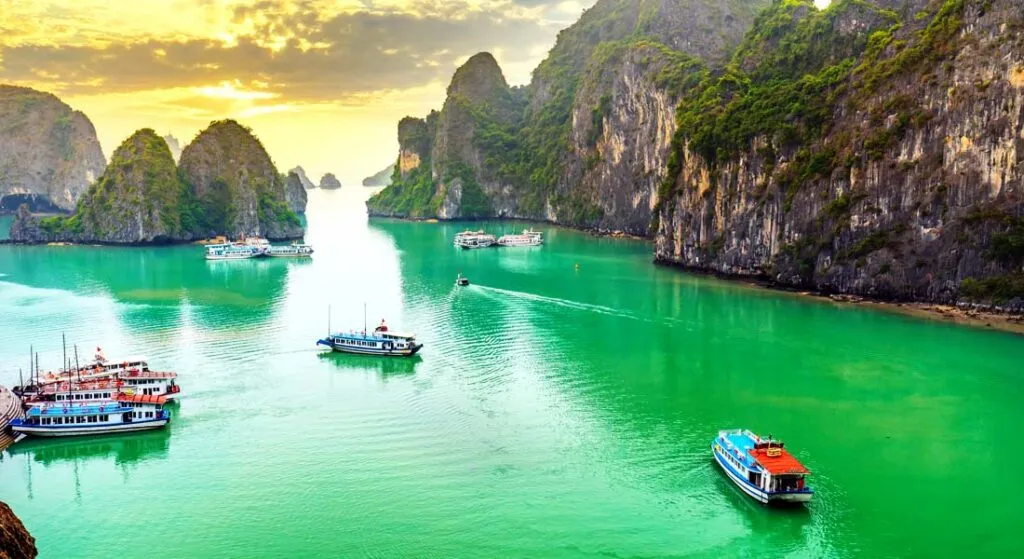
x=46, y=421
x=104, y=417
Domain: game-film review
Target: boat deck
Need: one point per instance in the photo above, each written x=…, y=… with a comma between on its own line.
x=10, y=408
x=784, y=463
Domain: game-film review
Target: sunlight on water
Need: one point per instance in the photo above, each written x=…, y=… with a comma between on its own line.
x=562, y=406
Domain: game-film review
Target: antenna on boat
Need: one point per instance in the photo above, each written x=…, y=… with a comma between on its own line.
x=21, y=382
x=77, y=370
x=364, y=318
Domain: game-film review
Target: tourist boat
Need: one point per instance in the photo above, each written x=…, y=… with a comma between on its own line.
x=461, y=281
x=132, y=373
x=478, y=239
x=233, y=251
x=65, y=391
x=294, y=250
x=762, y=468
x=459, y=237
x=528, y=238
x=380, y=342
x=124, y=414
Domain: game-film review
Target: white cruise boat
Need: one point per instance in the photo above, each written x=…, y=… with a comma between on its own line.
x=232, y=251
x=125, y=414
x=294, y=250
x=475, y=240
x=132, y=374
x=528, y=238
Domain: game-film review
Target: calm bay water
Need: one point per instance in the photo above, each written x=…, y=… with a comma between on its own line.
x=554, y=412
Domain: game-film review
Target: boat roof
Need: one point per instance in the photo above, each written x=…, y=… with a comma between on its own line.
x=75, y=409
x=374, y=336
x=747, y=443
x=142, y=399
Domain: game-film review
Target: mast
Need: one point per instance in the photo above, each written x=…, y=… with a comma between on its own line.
x=77, y=370
x=64, y=343
x=21, y=382
x=364, y=318
x=31, y=364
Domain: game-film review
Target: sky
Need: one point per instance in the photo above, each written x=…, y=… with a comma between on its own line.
x=322, y=83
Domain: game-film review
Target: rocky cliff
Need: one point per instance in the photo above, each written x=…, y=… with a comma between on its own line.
x=586, y=144
x=330, y=182
x=237, y=184
x=873, y=148
x=49, y=153
x=301, y=173
x=225, y=185
x=382, y=178
x=15, y=541
x=295, y=193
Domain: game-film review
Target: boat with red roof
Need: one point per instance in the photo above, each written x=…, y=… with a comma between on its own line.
x=762, y=468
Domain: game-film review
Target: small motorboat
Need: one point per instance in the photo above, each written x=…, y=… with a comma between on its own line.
x=461, y=280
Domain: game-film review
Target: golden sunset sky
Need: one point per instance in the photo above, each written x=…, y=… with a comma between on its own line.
x=322, y=83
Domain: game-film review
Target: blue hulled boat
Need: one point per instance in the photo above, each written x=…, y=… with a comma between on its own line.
x=123, y=414
x=380, y=342
x=762, y=468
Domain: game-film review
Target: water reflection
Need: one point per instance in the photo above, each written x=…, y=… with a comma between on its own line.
x=124, y=449
x=384, y=366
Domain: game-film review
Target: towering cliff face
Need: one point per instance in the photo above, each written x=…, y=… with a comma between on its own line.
x=587, y=143
x=301, y=173
x=875, y=148
x=139, y=198
x=49, y=153
x=15, y=541
x=237, y=185
x=295, y=193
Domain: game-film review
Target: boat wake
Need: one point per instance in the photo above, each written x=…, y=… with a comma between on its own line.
x=565, y=303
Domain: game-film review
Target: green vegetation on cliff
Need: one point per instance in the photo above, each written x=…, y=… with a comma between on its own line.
x=522, y=138
x=226, y=185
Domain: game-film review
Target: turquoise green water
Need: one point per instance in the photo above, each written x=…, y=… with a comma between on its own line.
x=554, y=412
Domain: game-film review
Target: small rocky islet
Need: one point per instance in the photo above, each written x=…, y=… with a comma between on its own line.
x=224, y=184
x=872, y=148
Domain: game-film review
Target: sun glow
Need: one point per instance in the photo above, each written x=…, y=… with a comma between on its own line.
x=230, y=90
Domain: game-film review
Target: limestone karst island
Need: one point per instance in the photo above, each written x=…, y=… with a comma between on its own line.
x=504, y=278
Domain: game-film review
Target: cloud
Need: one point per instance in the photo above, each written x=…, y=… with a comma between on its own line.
x=298, y=51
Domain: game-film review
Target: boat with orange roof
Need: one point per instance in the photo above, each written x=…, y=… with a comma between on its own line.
x=762, y=468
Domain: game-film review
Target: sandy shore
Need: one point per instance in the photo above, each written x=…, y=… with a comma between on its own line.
x=945, y=313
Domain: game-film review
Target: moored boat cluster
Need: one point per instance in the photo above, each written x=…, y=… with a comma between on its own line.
x=481, y=239
x=256, y=247
x=97, y=398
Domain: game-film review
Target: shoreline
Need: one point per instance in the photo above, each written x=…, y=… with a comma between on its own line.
x=963, y=313
x=609, y=233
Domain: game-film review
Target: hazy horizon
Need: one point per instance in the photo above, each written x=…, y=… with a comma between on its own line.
x=323, y=84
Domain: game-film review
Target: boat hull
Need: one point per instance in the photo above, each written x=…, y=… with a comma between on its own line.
x=405, y=352
x=85, y=429
x=758, y=494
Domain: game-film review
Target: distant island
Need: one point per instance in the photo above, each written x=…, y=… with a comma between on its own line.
x=224, y=184
x=330, y=182
x=382, y=178
x=301, y=174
